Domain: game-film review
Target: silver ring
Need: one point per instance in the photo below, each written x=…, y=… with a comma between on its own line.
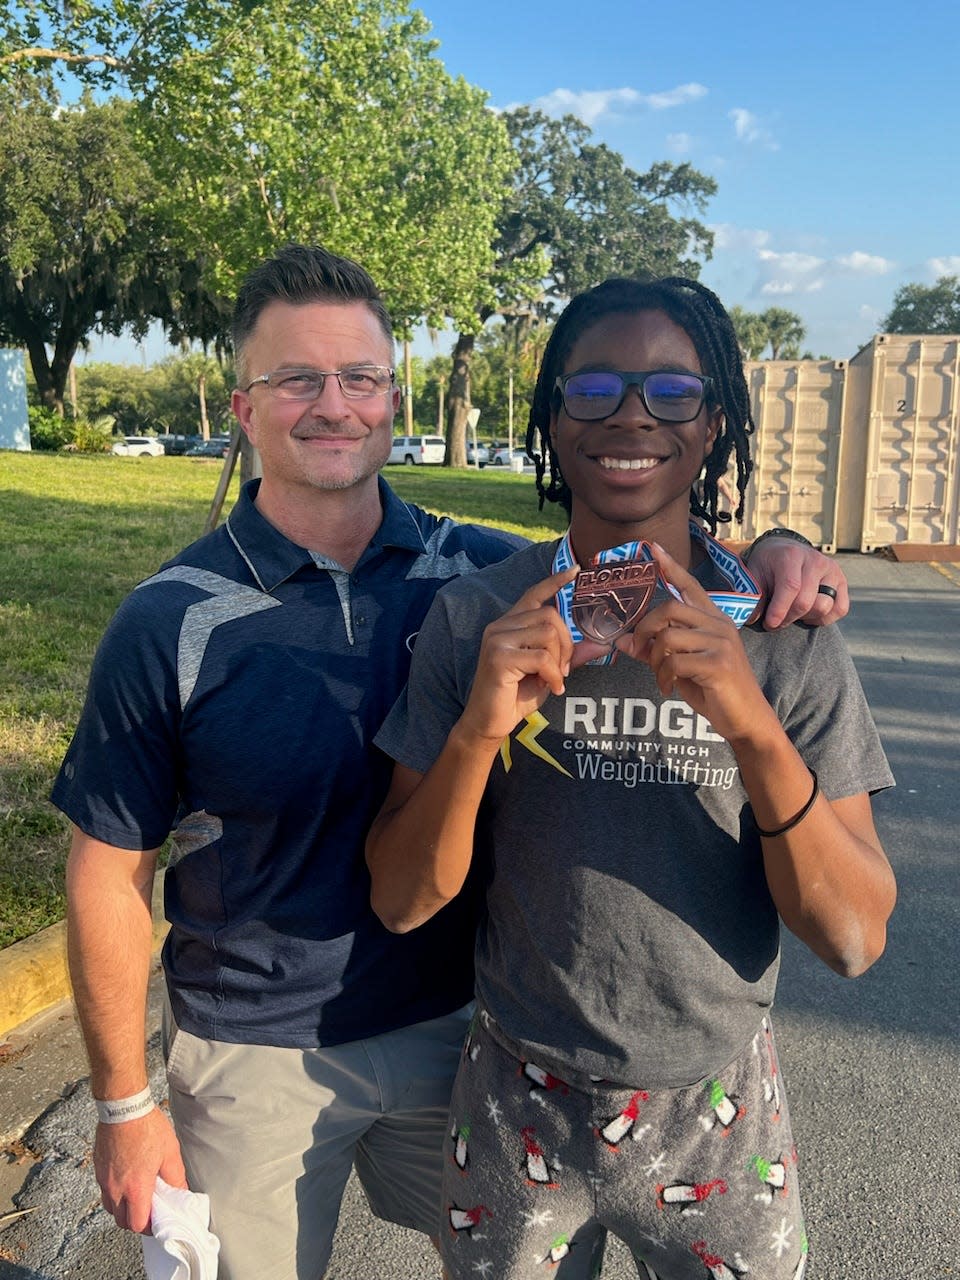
x=824, y=590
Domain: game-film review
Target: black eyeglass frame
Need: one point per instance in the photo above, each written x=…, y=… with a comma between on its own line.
x=323, y=374
x=635, y=379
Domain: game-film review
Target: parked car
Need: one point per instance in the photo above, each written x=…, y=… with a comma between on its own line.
x=414, y=450
x=502, y=457
x=176, y=445
x=216, y=447
x=137, y=447
x=482, y=456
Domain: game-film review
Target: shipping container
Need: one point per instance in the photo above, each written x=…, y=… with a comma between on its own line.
x=860, y=454
x=902, y=437
x=798, y=409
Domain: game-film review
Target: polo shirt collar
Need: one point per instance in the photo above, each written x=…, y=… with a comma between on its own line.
x=272, y=557
x=398, y=527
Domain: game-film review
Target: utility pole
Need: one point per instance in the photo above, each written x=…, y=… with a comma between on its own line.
x=510, y=410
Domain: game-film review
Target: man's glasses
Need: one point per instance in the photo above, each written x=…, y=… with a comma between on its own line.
x=668, y=397
x=360, y=382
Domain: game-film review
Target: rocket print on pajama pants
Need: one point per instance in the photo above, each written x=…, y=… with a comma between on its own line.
x=700, y=1182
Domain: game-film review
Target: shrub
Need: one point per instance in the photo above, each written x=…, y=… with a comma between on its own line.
x=92, y=437
x=48, y=431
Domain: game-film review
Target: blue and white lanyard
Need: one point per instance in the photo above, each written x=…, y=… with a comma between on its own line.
x=739, y=601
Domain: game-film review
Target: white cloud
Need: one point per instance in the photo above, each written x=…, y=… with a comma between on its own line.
x=727, y=236
x=677, y=97
x=750, y=129
x=865, y=264
x=680, y=143
x=787, y=273
x=589, y=105
x=795, y=272
x=949, y=266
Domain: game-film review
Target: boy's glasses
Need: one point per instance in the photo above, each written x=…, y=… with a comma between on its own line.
x=668, y=397
x=361, y=382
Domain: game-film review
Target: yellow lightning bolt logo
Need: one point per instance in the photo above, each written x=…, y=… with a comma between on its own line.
x=527, y=737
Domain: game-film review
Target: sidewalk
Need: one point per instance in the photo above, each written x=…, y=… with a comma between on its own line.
x=42, y=1062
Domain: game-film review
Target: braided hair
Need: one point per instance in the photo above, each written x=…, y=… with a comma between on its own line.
x=701, y=314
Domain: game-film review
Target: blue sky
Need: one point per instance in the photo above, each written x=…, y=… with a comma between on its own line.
x=830, y=130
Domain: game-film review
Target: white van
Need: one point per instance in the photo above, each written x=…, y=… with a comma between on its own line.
x=414, y=450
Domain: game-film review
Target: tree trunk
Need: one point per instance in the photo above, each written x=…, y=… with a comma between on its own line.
x=407, y=390
x=202, y=394
x=40, y=364
x=65, y=348
x=458, y=402
x=43, y=374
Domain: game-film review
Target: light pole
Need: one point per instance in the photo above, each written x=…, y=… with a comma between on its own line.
x=510, y=410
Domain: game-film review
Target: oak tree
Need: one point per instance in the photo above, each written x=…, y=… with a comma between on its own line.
x=573, y=215
x=84, y=247
x=919, y=308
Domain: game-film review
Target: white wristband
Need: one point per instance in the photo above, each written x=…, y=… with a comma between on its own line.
x=123, y=1109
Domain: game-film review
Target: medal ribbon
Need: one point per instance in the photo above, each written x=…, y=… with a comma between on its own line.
x=738, y=601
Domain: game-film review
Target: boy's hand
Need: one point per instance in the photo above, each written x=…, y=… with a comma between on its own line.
x=694, y=650
x=524, y=657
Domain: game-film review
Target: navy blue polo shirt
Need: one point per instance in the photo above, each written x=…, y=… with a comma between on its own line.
x=233, y=701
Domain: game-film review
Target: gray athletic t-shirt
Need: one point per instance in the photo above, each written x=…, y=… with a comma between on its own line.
x=629, y=934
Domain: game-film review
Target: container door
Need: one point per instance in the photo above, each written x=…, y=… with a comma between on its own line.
x=912, y=442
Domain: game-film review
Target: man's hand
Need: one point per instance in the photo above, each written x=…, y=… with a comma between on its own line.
x=127, y=1159
x=524, y=656
x=789, y=575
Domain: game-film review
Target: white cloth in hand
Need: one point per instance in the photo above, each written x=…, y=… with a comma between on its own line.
x=182, y=1247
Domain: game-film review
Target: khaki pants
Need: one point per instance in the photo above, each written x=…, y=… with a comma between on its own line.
x=270, y=1135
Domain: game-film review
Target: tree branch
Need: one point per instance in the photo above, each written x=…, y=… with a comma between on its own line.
x=60, y=55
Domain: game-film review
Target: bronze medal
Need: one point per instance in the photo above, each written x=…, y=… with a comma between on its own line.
x=610, y=599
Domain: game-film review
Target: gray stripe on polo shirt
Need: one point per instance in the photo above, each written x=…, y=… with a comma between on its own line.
x=341, y=581
x=432, y=563
x=227, y=601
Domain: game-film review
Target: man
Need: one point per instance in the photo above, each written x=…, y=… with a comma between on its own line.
x=233, y=702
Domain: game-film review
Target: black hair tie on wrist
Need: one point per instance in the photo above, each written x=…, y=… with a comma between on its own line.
x=798, y=818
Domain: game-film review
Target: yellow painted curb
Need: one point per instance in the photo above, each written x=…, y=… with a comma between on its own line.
x=33, y=973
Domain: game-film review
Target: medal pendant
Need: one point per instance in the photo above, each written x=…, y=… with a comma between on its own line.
x=610, y=599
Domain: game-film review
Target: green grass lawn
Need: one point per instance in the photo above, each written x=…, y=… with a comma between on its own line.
x=76, y=533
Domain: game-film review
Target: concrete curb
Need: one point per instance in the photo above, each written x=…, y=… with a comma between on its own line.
x=34, y=975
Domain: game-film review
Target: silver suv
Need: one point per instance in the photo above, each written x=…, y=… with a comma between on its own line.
x=414, y=450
